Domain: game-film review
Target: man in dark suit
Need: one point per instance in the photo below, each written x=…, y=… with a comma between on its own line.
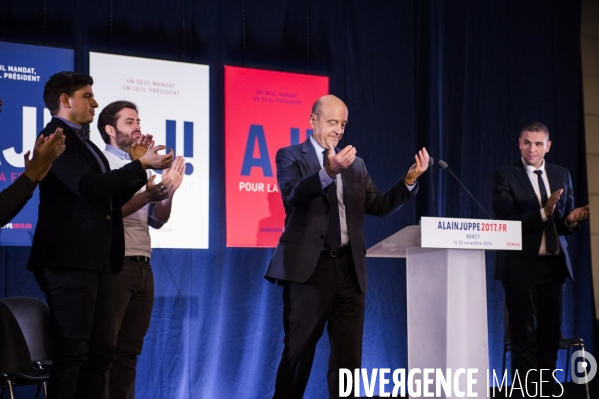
x=79, y=239
x=321, y=258
x=539, y=195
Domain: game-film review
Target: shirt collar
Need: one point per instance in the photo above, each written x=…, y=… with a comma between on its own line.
x=81, y=131
x=120, y=154
x=72, y=125
x=531, y=169
x=317, y=147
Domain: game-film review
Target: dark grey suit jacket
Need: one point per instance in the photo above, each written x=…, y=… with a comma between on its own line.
x=514, y=198
x=307, y=212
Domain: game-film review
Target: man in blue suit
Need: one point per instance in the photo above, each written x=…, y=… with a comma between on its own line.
x=540, y=195
x=321, y=258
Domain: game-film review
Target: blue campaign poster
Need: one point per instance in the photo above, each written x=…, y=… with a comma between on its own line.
x=24, y=70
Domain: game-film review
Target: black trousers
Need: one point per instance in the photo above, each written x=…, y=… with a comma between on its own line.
x=133, y=301
x=535, y=315
x=81, y=306
x=332, y=295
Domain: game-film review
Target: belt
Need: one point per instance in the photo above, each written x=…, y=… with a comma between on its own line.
x=335, y=253
x=138, y=259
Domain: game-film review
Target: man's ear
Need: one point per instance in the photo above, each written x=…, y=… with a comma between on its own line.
x=548, y=146
x=64, y=100
x=110, y=130
x=312, y=120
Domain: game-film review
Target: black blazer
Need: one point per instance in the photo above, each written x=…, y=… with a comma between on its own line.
x=80, y=223
x=514, y=198
x=307, y=216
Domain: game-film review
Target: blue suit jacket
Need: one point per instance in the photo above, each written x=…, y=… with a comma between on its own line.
x=307, y=212
x=514, y=198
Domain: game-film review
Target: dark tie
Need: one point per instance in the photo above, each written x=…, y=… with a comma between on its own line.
x=83, y=133
x=333, y=240
x=550, y=236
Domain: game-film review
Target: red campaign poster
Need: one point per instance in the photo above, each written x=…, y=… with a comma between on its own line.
x=264, y=111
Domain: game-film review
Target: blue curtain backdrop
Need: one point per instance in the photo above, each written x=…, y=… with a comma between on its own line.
x=459, y=77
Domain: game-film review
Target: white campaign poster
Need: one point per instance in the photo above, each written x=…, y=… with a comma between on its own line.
x=173, y=104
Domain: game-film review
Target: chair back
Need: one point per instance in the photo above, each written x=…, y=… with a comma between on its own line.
x=14, y=354
x=33, y=317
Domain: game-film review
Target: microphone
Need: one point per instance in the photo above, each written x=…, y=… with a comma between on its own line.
x=430, y=164
x=444, y=166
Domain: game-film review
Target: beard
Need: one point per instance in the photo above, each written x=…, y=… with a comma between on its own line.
x=124, y=140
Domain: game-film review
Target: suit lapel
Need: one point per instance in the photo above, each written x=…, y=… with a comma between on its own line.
x=347, y=176
x=555, y=183
x=89, y=157
x=309, y=155
x=525, y=181
x=100, y=155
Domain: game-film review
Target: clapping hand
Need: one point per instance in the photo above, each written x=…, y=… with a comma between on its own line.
x=46, y=150
x=579, y=214
x=175, y=174
x=152, y=160
x=551, y=201
x=140, y=147
x=418, y=168
x=337, y=163
x=157, y=191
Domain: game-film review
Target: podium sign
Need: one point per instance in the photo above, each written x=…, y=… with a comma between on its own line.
x=438, y=232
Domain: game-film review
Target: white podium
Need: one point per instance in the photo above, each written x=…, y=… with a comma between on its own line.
x=446, y=294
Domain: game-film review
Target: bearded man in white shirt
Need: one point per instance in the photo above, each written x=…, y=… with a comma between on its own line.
x=119, y=125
